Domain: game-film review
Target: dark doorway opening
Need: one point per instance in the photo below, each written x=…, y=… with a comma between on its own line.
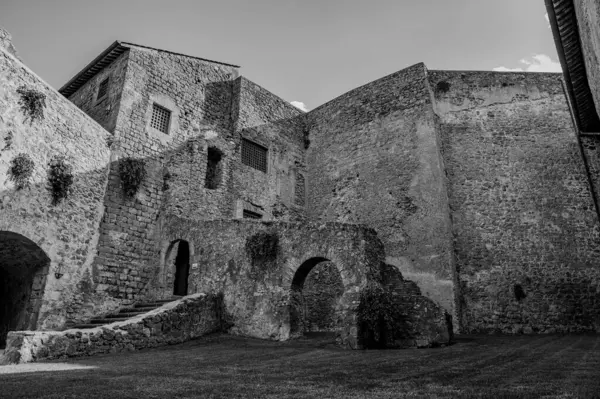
x=23, y=270
x=182, y=269
x=315, y=293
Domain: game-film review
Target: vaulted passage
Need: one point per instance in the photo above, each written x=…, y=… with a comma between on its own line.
x=316, y=290
x=23, y=270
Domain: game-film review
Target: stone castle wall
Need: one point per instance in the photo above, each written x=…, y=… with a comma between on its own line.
x=211, y=109
x=526, y=233
x=66, y=233
x=268, y=120
x=588, y=22
x=374, y=158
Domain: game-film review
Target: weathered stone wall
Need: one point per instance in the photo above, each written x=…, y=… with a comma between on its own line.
x=173, y=323
x=210, y=112
x=257, y=292
x=198, y=93
x=374, y=159
x=266, y=119
x=66, y=233
x=588, y=21
x=525, y=229
x=106, y=109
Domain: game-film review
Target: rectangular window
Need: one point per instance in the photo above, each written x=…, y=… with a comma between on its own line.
x=251, y=215
x=161, y=117
x=254, y=155
x=213, y=168
x=102, y=90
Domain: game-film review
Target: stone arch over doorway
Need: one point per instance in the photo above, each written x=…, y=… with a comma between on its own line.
x=315, y=293
x=24, y=268
x=177, y=263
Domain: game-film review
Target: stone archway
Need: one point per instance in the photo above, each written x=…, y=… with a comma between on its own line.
x=24, y=267
x=314, y=298
x=178, y=267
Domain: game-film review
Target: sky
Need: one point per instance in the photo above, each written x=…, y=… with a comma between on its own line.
x=306, y=51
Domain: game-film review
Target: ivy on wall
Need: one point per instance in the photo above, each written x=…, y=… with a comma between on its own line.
x=262, y=248
x=21, y=170
x=60, y=178
x=32, y=104
x=132, y=172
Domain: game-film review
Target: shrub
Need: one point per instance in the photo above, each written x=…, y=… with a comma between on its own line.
x=166, y=177
x=32, y=104
x=442, y=87
x=133, y=173
x=60, y=178
x=8, y=141
x=20, y=170
x=262, y=248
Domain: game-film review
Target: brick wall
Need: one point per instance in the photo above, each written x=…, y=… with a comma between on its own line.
x=525, y=227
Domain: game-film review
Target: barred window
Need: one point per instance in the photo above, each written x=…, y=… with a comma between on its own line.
x=102, y=90
x=251, y=215
x=161, y=117
x=254, y=155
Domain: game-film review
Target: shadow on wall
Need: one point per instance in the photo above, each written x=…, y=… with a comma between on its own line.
x=23, y=270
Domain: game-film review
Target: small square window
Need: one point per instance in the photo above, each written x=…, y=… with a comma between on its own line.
x=161, y=117
x=254, y=155
x=102, y=90
x=251, y=215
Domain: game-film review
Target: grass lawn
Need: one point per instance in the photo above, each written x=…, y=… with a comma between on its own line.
x=221, y=366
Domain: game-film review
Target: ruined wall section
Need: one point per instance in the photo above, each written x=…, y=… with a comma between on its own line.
x=103, y=110
x=198, y=95
x=588, y=21
x=374, y=158
x=525, y=228
x=67, y=232
x=263, y=118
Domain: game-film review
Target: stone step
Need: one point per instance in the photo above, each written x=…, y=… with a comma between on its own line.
x=84, y=326
x=150, y=304
x=108, y=321
x=124, y=314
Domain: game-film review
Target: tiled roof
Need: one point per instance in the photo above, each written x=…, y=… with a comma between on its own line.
x=563, y=21
x=106, y=58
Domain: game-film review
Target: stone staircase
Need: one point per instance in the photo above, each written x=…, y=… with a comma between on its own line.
x=125, y=313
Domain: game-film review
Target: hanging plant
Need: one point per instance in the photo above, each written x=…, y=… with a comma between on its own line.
x=60, y=178
x=20, y=170
x=32, y=104
x=133, y=173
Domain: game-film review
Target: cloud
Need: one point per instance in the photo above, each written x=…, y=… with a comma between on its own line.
x=537, y=63
x=299, y=105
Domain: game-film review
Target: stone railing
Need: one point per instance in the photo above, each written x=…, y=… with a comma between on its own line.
x=174, y=322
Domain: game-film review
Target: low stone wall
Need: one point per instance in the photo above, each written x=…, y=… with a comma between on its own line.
x=424, y=323
x=173, y=323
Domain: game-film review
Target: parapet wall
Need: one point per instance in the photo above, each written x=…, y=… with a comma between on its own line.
x=526, y=232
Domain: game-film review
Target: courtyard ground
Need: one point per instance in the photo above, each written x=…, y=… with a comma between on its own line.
x=222, y=366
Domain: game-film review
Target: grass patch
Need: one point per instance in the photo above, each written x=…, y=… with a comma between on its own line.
x=221, y=366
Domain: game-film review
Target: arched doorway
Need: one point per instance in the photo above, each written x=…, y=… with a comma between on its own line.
x=179, y=256
x=314, y=298
x=23, y=270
